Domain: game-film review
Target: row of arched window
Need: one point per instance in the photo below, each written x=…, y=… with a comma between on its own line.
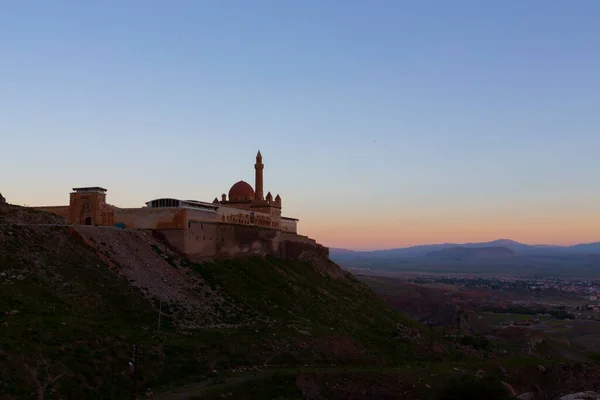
x=244, y=219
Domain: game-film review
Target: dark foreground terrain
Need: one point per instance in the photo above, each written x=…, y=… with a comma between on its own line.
x=74, y=301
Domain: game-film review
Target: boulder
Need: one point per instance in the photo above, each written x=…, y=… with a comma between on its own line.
x=510, y=389
x=526, y=396
x=541, y=368
x=581, y=396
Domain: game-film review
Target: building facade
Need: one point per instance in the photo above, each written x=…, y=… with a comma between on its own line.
x=242, y=221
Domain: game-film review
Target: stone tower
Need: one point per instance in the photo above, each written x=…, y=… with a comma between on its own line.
x=88, y=207
x=258, y=185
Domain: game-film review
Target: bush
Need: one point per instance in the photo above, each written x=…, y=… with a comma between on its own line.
x=468, y=387
x=478, y=342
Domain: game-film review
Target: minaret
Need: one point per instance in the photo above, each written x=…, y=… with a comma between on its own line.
x=258, y=167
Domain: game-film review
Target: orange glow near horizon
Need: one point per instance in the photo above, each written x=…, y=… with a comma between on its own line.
x=375, y=234
x=554, y=222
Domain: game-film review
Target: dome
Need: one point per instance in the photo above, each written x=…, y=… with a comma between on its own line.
x=241, y=191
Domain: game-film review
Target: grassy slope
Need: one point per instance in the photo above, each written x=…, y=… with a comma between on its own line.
x=77, y=320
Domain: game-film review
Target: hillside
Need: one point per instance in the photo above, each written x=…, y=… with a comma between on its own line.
x=76, y=299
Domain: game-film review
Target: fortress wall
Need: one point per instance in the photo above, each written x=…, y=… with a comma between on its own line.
x=176, y=238
x=293, y=246
x=227, y=211
x=246, y=240
x=288, y=225
x=201, y=215
x=297, y=238
x=200, y=239
x=63, y=211
x=218, y=240
x=210, y=240
x=152, y=218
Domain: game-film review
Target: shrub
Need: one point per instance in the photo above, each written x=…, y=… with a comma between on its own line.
x=469, y=387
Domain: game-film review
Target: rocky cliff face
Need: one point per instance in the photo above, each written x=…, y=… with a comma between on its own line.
x=2, y=199
x=298, y=249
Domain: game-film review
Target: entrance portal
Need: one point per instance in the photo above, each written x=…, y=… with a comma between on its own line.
x=88, y=221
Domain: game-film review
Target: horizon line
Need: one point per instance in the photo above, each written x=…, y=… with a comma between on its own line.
x=458, y=244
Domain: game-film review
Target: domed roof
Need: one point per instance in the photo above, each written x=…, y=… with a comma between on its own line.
x=241, y=191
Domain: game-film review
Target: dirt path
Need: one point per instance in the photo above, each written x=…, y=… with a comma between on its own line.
x=198, y=388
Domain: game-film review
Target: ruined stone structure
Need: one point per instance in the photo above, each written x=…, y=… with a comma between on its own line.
x=243, y=222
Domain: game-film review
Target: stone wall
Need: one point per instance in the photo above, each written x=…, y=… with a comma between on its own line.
x=201, y=239
x=62, y=211
x=289, y=225
x=219, y=240
x=245, y=240
x=298, y=247
x=201, y=215
x=245, y=217
x=152, y=218
x=211, y=240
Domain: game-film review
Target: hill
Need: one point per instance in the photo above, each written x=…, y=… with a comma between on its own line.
x=75, y=299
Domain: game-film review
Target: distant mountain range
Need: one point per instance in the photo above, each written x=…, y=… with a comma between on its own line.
x=463, y=253
x=337, y=254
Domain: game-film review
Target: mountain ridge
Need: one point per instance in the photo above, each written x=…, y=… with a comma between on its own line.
x=461, y=252
x=421, y=250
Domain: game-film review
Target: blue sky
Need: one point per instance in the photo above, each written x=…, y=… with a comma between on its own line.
x=382, y=124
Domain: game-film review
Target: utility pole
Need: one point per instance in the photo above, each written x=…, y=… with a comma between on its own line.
x=159, y=313
x=431, y=340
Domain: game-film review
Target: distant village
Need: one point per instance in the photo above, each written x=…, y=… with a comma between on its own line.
x=577, y=297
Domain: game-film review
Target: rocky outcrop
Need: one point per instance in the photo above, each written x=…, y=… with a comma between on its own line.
x=509, y=389
x=526, y=396
x=296, y=247
x=581, y=396
x=2, y=199
x=533, y=340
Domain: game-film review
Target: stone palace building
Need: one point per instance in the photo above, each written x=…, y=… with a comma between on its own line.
x=243, y=222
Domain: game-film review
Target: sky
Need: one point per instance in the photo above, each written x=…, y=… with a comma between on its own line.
x=381, y=123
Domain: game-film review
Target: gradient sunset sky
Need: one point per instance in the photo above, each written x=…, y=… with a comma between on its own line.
x=382, y=123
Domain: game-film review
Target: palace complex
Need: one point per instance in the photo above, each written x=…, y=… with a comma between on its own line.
x=243, y=222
